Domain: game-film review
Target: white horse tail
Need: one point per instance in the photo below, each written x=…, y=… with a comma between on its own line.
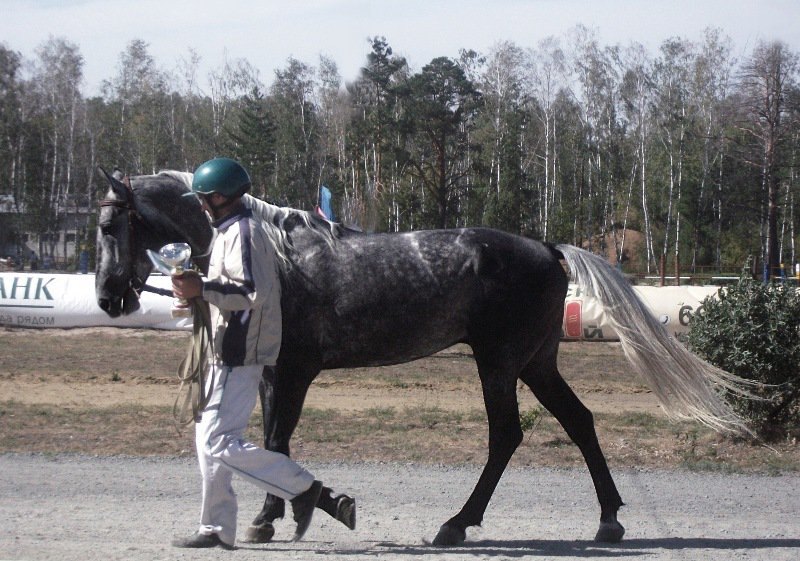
x=686, y=386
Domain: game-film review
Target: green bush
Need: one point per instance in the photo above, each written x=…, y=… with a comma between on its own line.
x=753, y=330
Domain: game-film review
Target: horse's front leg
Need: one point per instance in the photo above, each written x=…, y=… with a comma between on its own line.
x=281, y=404
x=262, y=529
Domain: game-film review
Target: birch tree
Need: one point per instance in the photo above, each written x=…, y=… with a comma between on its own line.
x=766, y=80
x=139, y=96
x=671, y=110
x=57, y=80
x=441, y=105
x=297, y=134
x=334, y=116
x=710, y=87
x=228, y=84
x=12, y=138
x=374, y=127
x=596, y=92
x=501, y=84
x=637, y=91
x=547, y=68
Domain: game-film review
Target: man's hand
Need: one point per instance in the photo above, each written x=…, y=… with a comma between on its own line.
x=187, y=286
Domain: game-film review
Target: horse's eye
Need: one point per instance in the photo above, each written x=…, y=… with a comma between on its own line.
x=105, y=229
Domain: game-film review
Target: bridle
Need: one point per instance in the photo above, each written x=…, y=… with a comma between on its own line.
x=135, y=282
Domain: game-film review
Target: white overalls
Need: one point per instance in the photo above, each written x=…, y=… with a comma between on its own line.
x=243, y=289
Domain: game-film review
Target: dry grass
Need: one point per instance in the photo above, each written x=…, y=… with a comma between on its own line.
x=61, y=392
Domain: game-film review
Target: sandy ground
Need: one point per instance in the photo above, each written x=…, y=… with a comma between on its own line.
x=322, y=395
x=73, y=368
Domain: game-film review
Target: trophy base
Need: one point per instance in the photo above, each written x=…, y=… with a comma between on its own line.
x=181, y=312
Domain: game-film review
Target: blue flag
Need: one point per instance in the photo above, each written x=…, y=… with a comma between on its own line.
x=325, y=208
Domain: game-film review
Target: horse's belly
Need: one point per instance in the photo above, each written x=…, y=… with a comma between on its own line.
x=381, y=342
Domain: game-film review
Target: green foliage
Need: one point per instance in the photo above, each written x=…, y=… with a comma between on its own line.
x=252, y=140
x=753, y=330
x=296, y=135
x=529, y=419
x=441, y=103
x=558, y=142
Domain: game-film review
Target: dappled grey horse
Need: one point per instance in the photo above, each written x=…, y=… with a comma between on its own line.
x=351, y=299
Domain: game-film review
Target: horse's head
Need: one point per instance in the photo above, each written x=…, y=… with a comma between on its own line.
x=143, y=213
x=121, y=264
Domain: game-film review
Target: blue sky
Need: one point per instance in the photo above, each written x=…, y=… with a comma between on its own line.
x=268, y=32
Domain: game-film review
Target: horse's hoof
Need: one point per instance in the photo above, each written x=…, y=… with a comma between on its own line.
x=346, y=511
x=449, y=535
x=259, y=534
x=610, y=532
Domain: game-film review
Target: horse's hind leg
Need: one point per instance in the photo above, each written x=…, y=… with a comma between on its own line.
x=557, y=397
x=505, y=434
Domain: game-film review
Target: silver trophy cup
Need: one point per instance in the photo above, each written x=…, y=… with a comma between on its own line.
x=173, y=259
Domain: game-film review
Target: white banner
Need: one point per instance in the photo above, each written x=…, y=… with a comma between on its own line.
x=673, y=306
x=59, y=300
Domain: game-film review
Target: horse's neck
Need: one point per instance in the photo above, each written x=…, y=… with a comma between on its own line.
x=169, y=217
x=195, y=228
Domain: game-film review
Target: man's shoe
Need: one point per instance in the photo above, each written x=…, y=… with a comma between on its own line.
x=303, y=506
x=198, y=541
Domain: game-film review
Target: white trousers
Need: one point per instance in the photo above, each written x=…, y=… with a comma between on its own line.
x=222, y=451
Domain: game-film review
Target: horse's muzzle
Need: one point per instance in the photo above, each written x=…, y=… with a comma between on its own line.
x=115, y=306
x=111, y=306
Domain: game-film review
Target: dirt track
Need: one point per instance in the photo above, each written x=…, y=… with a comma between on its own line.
x=101, y=509
x=93, y=508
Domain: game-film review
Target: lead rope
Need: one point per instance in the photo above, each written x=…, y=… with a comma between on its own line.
x=192, y=369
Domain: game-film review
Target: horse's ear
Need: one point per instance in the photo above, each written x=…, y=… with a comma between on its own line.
x=114, y=180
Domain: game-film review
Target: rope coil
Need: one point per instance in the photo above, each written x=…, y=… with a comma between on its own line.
x=192, y=369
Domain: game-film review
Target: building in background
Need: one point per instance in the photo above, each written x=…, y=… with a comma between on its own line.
x=58, y=248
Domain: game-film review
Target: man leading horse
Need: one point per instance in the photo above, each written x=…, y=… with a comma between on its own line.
x=244, y=293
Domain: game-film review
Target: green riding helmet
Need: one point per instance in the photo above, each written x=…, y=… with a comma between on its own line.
x=221, y=175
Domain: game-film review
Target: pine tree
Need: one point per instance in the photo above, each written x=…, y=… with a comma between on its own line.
x=252, y=141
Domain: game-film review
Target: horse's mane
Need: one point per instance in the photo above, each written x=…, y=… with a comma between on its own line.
x=274, y=219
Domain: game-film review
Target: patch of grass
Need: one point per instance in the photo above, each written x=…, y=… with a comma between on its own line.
x=133, y=430
x=778, y=464
x=429, y=417
x=639, y=419
x=475, y=416
x=381, y=413
x=710, y=465
x=557, y=442
x=414, y=434
x=314, y=415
